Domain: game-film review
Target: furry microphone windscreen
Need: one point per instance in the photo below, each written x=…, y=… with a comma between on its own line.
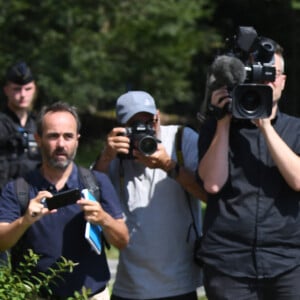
x=226, y=70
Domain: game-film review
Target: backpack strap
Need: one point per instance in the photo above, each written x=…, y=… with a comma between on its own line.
x=180, y=161
x=22, y=192
x=89, y=181
x=178, y=145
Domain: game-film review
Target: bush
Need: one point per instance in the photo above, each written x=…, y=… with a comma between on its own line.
x=21, y=285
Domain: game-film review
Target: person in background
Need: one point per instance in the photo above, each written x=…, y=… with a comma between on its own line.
x=61, y=232
x=158, y=261
x=18, y=149
x=251, y=171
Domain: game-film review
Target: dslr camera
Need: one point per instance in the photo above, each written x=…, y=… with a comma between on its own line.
x=251, y=97
x=142, y=138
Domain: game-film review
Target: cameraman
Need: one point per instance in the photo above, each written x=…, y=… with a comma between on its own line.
x=18, y=149
x=158, y=262
x=251, y=171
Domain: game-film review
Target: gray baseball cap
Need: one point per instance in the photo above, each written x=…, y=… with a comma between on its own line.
x=134, y=102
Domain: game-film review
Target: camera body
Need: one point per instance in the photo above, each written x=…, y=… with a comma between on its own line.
x=20, y=142
x=30, y=145
x=142, y=137
x=252, y=98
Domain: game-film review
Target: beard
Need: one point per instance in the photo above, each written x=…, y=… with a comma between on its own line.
x=58, y=163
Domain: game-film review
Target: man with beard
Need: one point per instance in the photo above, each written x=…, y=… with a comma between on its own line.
x=60, y=232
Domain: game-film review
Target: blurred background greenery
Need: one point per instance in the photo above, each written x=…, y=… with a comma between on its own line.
x=89, y=52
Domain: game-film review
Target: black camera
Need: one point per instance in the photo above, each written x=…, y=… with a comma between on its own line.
x=251, y=97
x=251, y=101
x=142, y=137
x=22, y=142
x=30, y=146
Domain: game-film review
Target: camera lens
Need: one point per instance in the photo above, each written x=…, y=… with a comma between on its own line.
x=147, y=145
x=251, y=101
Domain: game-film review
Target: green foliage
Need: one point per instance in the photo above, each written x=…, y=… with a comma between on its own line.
x=20, y=284
x=155, y=41
x=296, y=4
x=88, y=151
x=89, y=52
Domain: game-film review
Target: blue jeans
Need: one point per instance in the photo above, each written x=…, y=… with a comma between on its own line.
x=219, y=286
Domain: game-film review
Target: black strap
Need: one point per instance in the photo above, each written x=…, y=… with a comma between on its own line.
x=89, y=181
x=217, y=112
x=22, y=191
x=178, y=145
x=180, y=161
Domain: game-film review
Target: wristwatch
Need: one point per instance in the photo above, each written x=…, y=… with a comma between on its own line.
x=174, y=172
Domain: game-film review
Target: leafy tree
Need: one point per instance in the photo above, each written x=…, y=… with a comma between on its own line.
x=89, y=52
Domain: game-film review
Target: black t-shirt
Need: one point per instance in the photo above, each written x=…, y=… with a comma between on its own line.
x=252, y=226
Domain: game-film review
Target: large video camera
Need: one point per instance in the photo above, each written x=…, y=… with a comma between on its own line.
x=245, y=69
x=142, y=137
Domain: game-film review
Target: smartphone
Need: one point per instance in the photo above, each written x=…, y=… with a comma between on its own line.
x=62, y=199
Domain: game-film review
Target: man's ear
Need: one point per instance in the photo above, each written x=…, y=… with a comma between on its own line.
x=78, y=137
x=158, y=117
x=157, y=124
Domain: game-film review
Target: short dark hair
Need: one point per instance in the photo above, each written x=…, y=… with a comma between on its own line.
x=56, y=107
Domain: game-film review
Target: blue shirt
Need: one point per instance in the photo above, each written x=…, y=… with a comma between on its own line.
x=62, y=233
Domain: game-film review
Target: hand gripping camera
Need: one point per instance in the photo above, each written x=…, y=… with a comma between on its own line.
x=142, y=137
x=245, y=68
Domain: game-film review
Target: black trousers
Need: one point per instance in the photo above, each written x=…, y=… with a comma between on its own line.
x=189, y=296
x=219, y=286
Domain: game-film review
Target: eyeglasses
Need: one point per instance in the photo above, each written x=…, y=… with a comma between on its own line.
x=149, y=122
x=278, y=73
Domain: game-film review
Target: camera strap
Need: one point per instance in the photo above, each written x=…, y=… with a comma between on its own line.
x=216, y=112
x=180, y=161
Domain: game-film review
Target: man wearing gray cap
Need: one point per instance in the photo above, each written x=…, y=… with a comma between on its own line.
x=18, y=149
x=140, y=158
